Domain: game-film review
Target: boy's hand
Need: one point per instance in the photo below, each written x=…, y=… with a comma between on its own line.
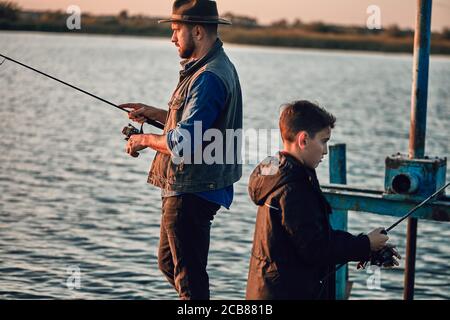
x=377, y=239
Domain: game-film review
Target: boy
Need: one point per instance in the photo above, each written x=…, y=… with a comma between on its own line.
x=295, y=250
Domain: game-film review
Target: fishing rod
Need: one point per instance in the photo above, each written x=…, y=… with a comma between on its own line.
x=417, y=207
x=127, y=130
x=385, y=255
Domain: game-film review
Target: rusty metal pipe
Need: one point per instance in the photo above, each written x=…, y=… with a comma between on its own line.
x=417, y=131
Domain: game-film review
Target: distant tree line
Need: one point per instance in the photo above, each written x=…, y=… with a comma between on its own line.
x=9, y=11
x=245, y=30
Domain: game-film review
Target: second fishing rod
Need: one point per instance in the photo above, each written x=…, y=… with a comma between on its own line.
x=385, y=256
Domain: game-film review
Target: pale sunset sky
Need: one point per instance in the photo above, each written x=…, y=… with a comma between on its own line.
x=401, y=12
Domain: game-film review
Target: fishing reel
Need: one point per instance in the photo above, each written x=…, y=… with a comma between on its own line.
x=381, y=258
x=131, y=130
x=384, y=257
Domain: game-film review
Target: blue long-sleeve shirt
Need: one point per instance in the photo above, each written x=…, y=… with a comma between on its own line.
x=206, y=99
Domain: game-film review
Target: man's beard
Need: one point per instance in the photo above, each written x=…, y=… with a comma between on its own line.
x=187, y=52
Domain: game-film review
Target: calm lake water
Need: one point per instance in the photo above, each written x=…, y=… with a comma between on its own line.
x=70, y=197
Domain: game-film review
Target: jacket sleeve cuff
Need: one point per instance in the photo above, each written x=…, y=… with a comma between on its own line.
x=363, y=247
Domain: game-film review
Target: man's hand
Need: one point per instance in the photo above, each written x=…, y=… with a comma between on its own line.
x=140, y=112
x=135, y=144
x=377, y=239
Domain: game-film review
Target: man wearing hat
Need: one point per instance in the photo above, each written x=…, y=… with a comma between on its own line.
x=208, y=93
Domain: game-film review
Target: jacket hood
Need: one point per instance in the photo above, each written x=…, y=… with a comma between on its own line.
x=273, y=173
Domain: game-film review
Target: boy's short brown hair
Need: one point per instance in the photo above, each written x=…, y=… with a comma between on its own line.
x=303, y=115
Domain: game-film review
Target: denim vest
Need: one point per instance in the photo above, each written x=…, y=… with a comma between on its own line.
x=187, y=176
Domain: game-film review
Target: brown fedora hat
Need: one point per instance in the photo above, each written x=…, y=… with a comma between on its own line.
x=195, y=11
